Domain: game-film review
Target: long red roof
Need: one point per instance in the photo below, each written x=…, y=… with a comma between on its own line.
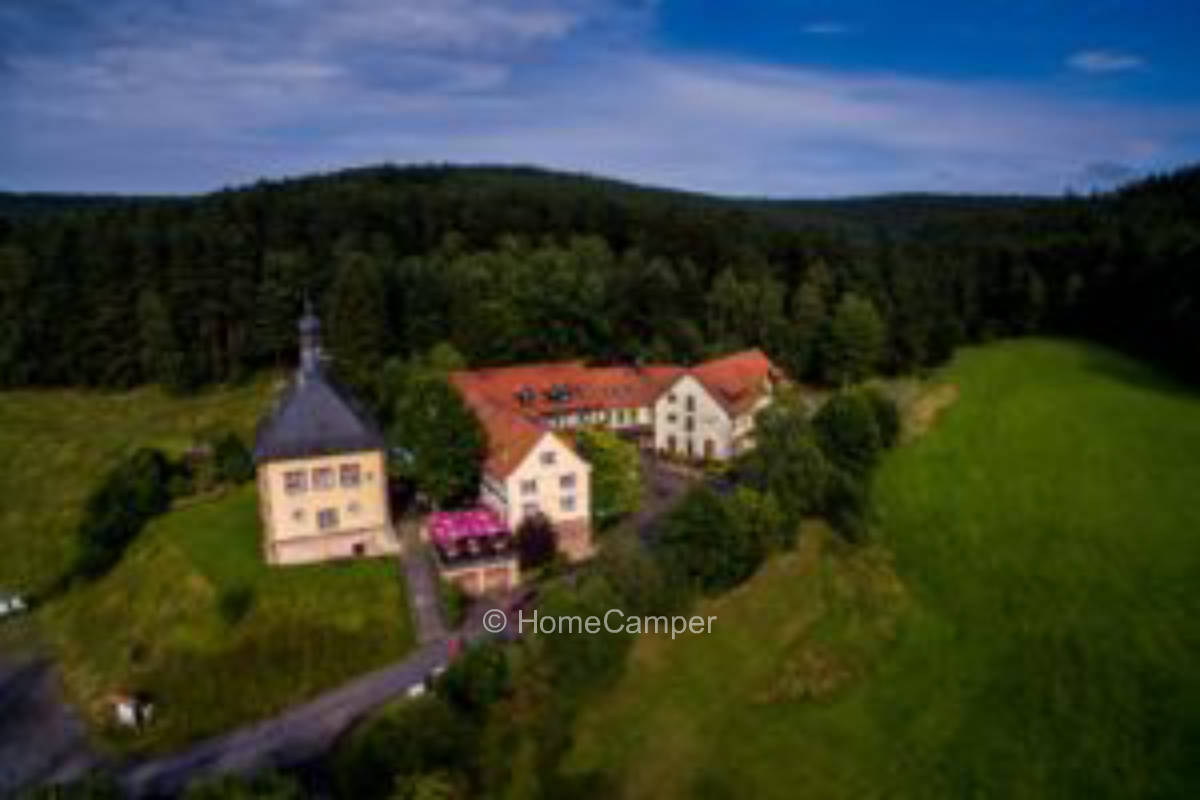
x=512, y=402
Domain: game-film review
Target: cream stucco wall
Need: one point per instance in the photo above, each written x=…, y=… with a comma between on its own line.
x=290, y=518
x=548, y=493
x=711, y=422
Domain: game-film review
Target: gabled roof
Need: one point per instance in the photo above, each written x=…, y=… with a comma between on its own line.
x=736, y=381
x=315, y=416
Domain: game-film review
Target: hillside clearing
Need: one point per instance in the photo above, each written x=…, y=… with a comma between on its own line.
x=1044, y=534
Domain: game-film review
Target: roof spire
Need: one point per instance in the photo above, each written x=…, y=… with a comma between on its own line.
x=310, y=341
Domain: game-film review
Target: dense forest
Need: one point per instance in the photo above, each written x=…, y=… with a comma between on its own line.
x=515, y=263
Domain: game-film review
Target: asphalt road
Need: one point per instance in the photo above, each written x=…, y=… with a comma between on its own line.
x=41, y=737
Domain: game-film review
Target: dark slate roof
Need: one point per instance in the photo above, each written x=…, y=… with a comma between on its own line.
x=315, y=416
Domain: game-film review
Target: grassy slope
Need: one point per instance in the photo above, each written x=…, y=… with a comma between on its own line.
x=58, y=444
x=155, y=625
x=1046, y=536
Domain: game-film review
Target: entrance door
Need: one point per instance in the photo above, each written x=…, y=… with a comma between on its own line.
x=710, y=449
x=671, y=443
x=689, y=447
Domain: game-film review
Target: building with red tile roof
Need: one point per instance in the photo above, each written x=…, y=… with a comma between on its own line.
x=529, y=410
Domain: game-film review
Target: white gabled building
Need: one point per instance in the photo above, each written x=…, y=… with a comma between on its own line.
x=708, y=411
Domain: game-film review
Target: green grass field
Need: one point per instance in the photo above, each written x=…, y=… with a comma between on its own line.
x=160, y=622
x=59, y=443
x=156, y=624
x=1039, y=637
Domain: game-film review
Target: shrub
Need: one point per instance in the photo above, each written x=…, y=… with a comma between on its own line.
x=701, y=540
x=133, y=492
x=848, y=433
x=405, y=740
x=847, y=505
x=263, y=786
x=536, y=542
x=887, y=416
x=231, y=460
x=477, y=679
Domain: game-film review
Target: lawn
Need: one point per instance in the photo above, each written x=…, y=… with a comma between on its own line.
x=191, y=614
x=59, y=443
x=161, y=623
x=1025, y=624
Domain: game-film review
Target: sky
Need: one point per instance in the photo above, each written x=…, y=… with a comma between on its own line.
x=781, y=98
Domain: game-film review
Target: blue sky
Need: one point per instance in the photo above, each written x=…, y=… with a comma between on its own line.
x=759, y=97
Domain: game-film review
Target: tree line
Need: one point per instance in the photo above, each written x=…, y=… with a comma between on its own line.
x=518, y=265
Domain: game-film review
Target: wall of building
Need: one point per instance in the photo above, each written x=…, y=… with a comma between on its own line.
x=292, y=517
x=613, y=418
x=710, y=422
x=492, y=576
x=547, y=492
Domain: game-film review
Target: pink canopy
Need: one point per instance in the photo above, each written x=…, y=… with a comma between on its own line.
x=446, y=527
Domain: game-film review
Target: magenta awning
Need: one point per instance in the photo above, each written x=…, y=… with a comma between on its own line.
x=452, y=526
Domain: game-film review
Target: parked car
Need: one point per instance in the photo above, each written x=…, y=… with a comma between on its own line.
x=416, y=690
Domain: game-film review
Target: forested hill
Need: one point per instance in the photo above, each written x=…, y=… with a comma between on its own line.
x=509, y=263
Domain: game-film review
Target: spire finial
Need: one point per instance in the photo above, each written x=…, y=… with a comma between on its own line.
x=310, y=340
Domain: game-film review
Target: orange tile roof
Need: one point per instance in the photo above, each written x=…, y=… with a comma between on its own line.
x=738, y=380
x=511, y=402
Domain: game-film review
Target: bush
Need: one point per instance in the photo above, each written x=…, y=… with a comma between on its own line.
x=887, y=416
x=847, y=506
x=235, y=603
x=133, y=492
x=536, y=542
x=477, y=679
x=848, y=433
x=702, y=541
x=263, y=786
x=231, y=460
x=407, y=739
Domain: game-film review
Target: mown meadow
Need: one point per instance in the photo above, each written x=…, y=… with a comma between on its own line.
x=191, y=615
x=1022, y=625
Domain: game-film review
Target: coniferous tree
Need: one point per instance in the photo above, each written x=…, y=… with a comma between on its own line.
x=161, y=355
x=357, y=330
x=856, y=340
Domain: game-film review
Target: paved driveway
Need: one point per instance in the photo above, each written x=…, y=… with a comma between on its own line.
x=663, y=489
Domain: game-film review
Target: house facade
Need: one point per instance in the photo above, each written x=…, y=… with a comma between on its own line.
x=531, y=470
x=320, y=470
x=707, y=413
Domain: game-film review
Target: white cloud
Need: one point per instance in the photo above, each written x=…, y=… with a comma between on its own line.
x=160, y=108
x=1104, y=61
